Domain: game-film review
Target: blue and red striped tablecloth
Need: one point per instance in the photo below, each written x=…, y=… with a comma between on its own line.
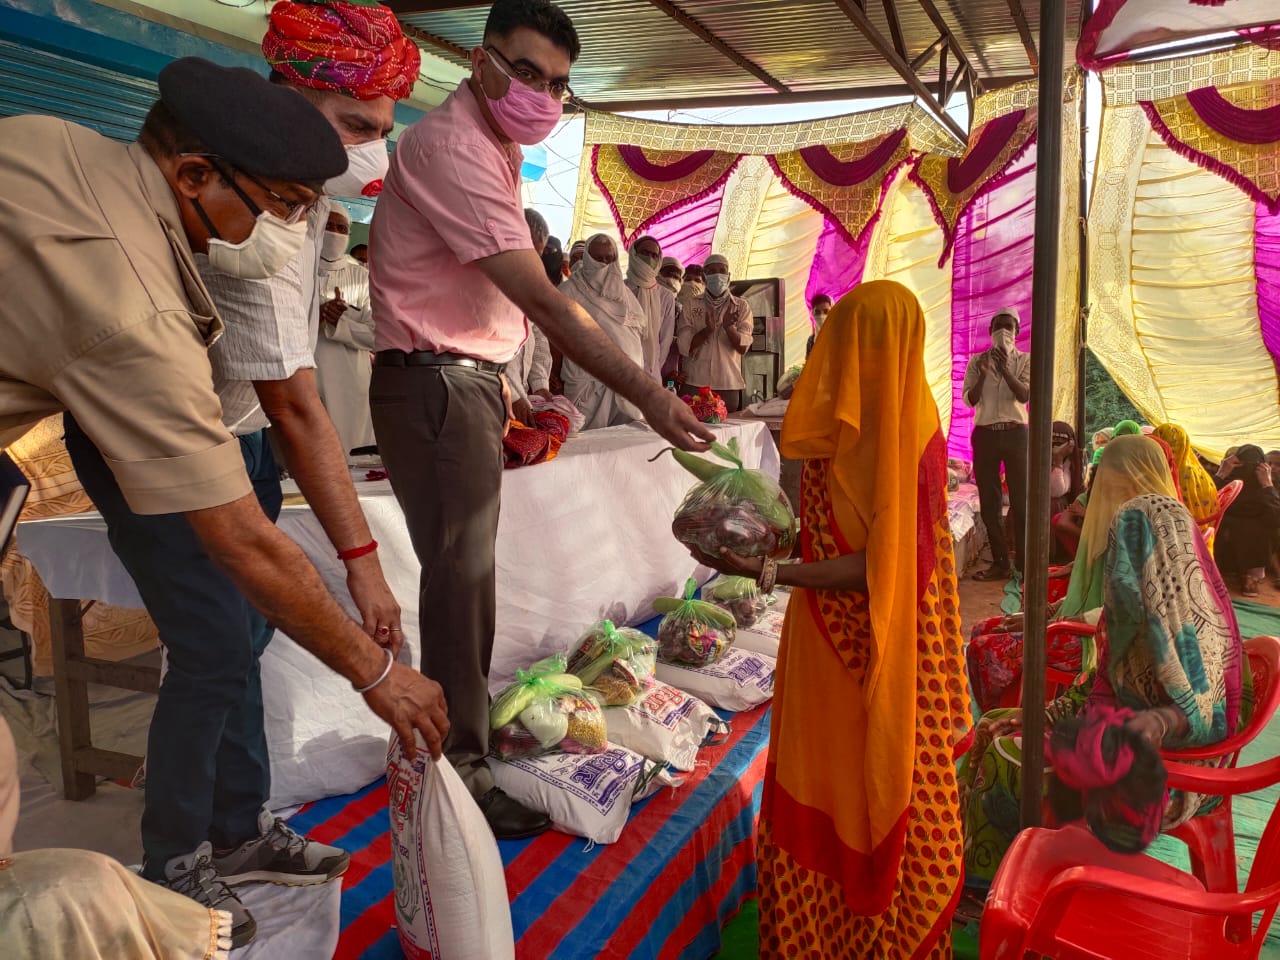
x=683, y=866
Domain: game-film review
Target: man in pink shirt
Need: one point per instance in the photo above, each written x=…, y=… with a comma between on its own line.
x=454, y=275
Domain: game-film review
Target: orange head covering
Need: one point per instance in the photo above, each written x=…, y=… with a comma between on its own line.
x=863, y=404
x=354, y=47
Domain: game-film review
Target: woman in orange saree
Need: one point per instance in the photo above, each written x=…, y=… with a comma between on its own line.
x=860, y=852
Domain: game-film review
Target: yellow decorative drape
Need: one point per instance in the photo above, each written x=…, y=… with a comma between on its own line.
x=852, y=207
x=1172, y=285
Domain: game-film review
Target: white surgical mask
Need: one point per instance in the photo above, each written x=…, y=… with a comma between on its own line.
x=717, y=284
x=333, y=248
x=367, y=165
x=1002, y=339
x=671, y=283
x=270, y=245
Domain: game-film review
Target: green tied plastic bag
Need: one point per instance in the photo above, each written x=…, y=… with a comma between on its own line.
x=740, y=596
x=615, y=663
x=546, y=709
x=693, y=632
x=733, y=507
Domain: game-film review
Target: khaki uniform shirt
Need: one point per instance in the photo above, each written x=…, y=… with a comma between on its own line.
x=104, y=315
x=717, y=363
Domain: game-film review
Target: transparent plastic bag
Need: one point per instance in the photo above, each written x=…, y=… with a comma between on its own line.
x=693, y=632
x=741, y=596
x=614, y=662
x=546, y=710
x=742, y=510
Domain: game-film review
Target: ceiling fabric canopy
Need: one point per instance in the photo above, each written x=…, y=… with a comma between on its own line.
x=1117, y=28
x=825, y=217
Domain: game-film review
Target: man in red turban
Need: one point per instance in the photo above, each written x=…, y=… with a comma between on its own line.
x=352, y=61
x=355, y=48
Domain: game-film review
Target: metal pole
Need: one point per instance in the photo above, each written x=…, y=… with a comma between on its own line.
x=1082, y=361
x=1044, y=296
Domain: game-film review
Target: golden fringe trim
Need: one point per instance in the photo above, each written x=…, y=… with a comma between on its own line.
x=219, y=935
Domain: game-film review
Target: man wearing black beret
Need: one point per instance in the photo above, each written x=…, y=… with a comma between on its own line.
x=112, y=327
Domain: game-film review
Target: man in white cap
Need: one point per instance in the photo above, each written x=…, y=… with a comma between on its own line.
x=657, y=302
x=671, y=274
x=715, y=331
x=997, y=386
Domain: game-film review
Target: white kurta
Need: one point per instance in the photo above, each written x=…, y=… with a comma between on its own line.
x=600, y=405
x=659, y=305
x=343, y=363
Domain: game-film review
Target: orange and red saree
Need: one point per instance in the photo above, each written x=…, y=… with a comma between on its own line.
x=860, y=850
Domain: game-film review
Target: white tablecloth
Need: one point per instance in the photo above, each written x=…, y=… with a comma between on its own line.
x=584, y=537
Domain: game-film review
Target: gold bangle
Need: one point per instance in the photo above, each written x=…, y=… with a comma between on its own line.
x=768, y=575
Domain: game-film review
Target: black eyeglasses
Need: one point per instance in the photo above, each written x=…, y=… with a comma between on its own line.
x=556, y=89
x=295, y=210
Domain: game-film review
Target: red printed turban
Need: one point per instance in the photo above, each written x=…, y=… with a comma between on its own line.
x=354, y=47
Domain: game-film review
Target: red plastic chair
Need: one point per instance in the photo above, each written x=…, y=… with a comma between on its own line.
x=1055, y=680
x=1062, y=894
x=1210, y=838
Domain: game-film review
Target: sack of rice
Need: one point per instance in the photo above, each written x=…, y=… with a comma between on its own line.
x=587, y=796
x=665, y=725
x=739, y=681
x=450, y=888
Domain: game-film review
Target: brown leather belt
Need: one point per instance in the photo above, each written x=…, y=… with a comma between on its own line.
x=1003, y=425
x=425, y=358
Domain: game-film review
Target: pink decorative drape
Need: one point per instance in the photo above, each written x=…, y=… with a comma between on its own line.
x=837, y=263
x=846, y=184
x=687, y=233
x=991, y=268
x=643, y=186
x=953, y=184
x=1266, y=264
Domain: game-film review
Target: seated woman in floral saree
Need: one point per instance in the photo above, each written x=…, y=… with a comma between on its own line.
x=1168, y=649
x=1130, y=466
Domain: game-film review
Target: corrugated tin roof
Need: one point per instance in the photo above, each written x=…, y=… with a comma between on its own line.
x=634, y=53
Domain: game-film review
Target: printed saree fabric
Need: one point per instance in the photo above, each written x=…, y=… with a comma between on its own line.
x=860, y=848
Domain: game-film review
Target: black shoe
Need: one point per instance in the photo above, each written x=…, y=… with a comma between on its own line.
x=994, y=572
x=510, y=819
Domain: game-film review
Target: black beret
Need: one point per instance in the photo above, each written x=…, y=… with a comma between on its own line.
x=257, y=126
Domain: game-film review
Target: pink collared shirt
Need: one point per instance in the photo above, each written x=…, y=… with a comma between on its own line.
x=451, y=197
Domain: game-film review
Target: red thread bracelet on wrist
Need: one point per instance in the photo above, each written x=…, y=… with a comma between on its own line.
x=356, y=552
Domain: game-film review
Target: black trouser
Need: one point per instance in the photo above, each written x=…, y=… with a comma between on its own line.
x=991, y=448
x=439, y=431
x=208, y=773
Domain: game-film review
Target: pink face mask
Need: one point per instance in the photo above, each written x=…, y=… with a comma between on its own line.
x=525, y=115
